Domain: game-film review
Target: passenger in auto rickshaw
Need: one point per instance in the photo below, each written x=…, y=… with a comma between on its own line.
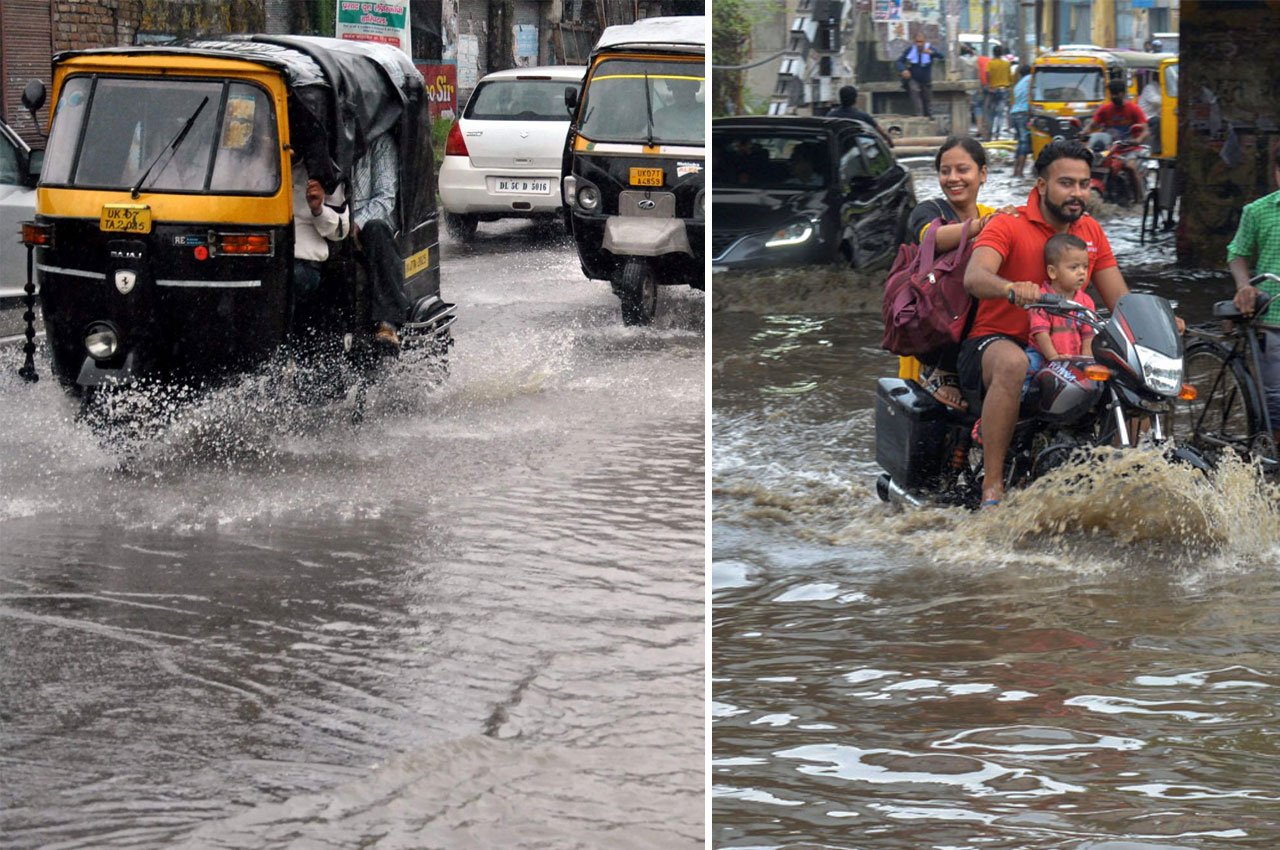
x=373, y=197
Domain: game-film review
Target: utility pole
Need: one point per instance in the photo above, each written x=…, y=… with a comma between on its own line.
x=1022, y=35
x=986, y=27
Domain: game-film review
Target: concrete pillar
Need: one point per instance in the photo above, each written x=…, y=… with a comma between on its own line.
x=1102, y=23
x=1228, y=119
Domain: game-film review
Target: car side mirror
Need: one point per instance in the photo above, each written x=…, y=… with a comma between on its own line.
x=35, y=164
x=570, y=98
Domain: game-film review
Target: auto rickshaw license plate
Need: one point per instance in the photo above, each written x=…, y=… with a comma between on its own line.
x=125, y=218
x=646, y=177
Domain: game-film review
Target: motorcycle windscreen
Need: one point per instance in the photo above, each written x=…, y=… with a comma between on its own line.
x=1146, y=320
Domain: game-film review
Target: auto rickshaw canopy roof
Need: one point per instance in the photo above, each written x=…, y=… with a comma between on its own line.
x=343, y=92
x=678, y=33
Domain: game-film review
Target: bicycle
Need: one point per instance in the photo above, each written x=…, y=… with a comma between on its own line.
x=1229, y=412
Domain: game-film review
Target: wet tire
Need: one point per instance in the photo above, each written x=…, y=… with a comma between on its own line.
x=461, y=227
x=1226, y=413
x=638, y=292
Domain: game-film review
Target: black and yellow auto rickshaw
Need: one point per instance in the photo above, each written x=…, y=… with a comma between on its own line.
x=1067, y=87
x=633, y=167
x=164, y=213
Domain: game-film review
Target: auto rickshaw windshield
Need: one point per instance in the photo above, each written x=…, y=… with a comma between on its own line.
x=614, y=109
x=132, y=124
x=1051, y=83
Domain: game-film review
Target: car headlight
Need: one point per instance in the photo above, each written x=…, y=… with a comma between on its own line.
x=1162, y=374
x=792, y=234
x=101, y=341
x=588, y=197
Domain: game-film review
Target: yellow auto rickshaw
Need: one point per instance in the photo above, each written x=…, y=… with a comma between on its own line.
x=164, y=213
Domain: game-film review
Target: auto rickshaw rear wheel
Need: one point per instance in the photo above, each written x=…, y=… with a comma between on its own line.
x=461, y=227
x=638, y=290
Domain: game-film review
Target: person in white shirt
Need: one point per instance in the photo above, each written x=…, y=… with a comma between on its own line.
x=318, y=219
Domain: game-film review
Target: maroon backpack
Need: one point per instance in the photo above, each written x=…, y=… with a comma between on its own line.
x=925, y=303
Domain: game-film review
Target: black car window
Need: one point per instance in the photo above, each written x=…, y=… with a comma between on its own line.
x=9, y=171
x=762, y=160
x=877, y=158
x=853, y=163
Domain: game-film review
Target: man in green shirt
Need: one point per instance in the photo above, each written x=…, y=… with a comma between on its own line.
x=1257, y=242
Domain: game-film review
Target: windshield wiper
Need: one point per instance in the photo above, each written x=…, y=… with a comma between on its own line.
x=172, y=146
x=648, y=107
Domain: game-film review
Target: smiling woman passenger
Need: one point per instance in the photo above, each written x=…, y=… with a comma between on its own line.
x=961, y=164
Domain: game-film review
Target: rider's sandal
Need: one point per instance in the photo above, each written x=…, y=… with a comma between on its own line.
x=937, y=382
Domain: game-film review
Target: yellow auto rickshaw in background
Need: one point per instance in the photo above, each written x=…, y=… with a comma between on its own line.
x=164, y=213
x=1067, y=87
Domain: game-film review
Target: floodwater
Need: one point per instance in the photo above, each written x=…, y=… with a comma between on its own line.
x=1092, y=666
x=473, y=621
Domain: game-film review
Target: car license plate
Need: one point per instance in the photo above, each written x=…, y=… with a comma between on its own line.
x=125, y=218
x=521, y=186
x=646, y=177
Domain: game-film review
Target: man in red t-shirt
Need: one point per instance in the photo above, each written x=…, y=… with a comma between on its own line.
x=1008, y=262
x=1118, y=118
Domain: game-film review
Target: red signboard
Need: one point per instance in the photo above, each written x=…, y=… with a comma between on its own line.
x=442, y=87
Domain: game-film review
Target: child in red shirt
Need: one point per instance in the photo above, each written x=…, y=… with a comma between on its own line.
x=1056, y=337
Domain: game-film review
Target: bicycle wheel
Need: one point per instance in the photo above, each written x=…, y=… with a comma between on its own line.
x=1226, y=412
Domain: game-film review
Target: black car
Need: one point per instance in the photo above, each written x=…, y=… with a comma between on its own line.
x=790, y=190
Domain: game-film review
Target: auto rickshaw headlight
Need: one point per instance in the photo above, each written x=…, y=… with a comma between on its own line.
x=102, y=341
x=589, y=197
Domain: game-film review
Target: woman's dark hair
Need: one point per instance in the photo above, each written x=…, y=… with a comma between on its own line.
x=971, y=145
x=1062, y=149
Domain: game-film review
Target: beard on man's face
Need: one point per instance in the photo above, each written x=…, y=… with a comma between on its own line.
x=1069, y=211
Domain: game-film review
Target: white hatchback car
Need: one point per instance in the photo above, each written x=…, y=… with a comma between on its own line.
x=502, y=158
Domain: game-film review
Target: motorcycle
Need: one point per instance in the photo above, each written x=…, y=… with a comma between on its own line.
x=929, y=452
x=1113, y=178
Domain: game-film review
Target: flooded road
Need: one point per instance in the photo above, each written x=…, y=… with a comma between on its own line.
x=1091, y=667
x=475, y=620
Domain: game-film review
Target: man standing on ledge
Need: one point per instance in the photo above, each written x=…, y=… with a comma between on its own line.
x=916, y=67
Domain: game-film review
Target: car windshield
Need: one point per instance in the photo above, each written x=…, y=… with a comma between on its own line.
x=108, y=132
x=1063, y=84
x=614, y=107
x=518, y=100
x=763, y=160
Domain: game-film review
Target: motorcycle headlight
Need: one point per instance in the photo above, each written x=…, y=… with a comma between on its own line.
x=101, y=341
x=588, y=197
x=1160, y=372
x=792, y=234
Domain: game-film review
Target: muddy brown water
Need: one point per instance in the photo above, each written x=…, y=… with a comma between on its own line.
x=1094, y=666
x=473, y=621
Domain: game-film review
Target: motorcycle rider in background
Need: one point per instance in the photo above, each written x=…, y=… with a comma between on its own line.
x=1117, y=119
